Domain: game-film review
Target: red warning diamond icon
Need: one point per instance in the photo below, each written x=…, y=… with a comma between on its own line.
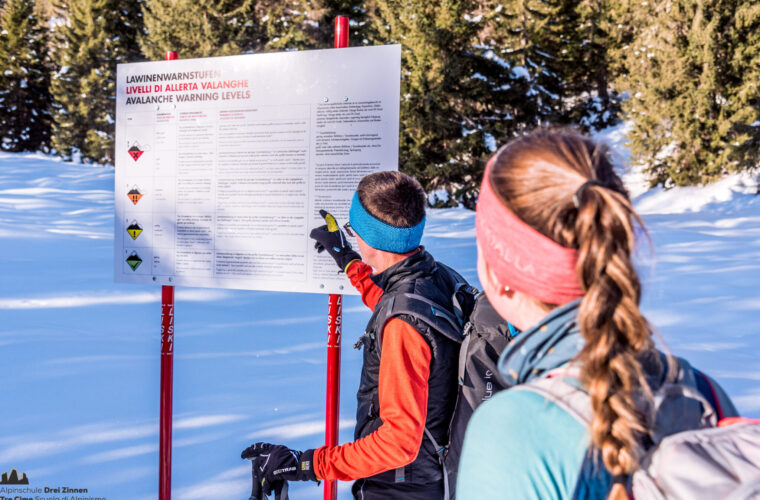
x=135, y=153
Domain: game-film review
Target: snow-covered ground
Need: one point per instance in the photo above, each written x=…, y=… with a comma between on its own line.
x=81, y=353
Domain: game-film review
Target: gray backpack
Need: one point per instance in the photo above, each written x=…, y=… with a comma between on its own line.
x=692, y=455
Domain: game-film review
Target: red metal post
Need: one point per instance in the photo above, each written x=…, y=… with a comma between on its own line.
x=167, y=376
x=341, y=32
x=334, y=328
x=334, y=331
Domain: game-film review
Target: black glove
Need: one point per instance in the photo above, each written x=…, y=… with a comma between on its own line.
x=261, y=489
x=274, y=465
x=330, y=237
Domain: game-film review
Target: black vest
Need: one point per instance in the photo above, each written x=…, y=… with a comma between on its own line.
x=419, y=274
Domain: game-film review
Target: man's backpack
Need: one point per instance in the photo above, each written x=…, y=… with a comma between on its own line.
x=486, y=334
x=696, y=452
x=483, y=335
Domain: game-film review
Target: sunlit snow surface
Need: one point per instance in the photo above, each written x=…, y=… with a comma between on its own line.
x=80, y=353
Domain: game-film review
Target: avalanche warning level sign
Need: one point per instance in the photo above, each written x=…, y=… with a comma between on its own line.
x=134, y=261
x=134, y=230
x=234, y=158
x=134, y=195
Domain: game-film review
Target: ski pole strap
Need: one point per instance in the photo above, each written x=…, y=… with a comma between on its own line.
x=441, y=452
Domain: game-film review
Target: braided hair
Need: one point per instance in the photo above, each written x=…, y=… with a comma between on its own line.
x=538, y=177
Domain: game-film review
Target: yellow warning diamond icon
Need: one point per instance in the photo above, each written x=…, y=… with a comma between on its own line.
x=134, y=230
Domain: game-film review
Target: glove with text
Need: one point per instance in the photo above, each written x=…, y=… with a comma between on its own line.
x=274, y=465
x=330, y=237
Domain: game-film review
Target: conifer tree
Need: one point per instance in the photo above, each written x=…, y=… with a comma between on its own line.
x=294, y=24
x=202, y=28
x=95, y=37
x=126, y=24
x=743, y=109
x=24, y=79
x=590, y=53
x=82, y=87
x=309, y=24
x=565, y=52
x=533, y=36
x=693, y=76
x=457, y=99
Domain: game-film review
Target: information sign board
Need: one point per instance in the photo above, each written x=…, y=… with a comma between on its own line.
x=222, y=164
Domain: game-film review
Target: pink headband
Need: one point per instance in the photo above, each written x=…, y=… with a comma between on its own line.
x=521, y=257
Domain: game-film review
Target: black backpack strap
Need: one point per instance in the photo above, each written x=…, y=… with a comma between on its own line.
x=463, y=352
x=419, y=308
x=705, y=387
x=441, y=452
x=463, y=298
x=451, y=325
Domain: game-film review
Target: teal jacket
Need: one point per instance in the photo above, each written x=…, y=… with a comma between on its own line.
x=518, y=444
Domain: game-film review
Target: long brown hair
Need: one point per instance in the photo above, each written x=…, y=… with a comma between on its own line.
x=538, y=178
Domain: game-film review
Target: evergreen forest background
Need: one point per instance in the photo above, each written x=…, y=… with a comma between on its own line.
x=475, y=73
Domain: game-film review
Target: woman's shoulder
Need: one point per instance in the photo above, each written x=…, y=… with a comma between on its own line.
x=521, y=431
x=528, y=408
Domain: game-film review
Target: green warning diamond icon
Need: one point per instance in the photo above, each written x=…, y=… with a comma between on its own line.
x=134, y=261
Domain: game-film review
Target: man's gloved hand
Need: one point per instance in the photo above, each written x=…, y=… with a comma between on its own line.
x=330, y=237
x=261, y=489
x=274, y=465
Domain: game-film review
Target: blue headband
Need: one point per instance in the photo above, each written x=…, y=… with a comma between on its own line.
x=381, y=235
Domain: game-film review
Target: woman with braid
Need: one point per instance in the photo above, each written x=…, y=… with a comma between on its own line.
x=556, y=233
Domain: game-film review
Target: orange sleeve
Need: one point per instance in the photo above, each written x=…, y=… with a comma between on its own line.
x=403, y=394
x=360, y=275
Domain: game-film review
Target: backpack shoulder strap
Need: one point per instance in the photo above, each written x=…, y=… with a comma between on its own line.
x=708, y=391
x=682, y=402
x=425, y=310
x=564, y=394
x=463, y=298
x=484, y=319
x=419, y=308
x=441, y=452
x=673, y=400
x=447, y=320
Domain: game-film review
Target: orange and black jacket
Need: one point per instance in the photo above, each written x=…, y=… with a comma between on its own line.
x=410, y=387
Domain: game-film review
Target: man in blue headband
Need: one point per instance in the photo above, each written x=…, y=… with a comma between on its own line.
x=406, y=396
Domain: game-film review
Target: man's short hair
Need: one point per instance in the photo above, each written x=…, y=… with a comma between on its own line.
x=393, y=197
